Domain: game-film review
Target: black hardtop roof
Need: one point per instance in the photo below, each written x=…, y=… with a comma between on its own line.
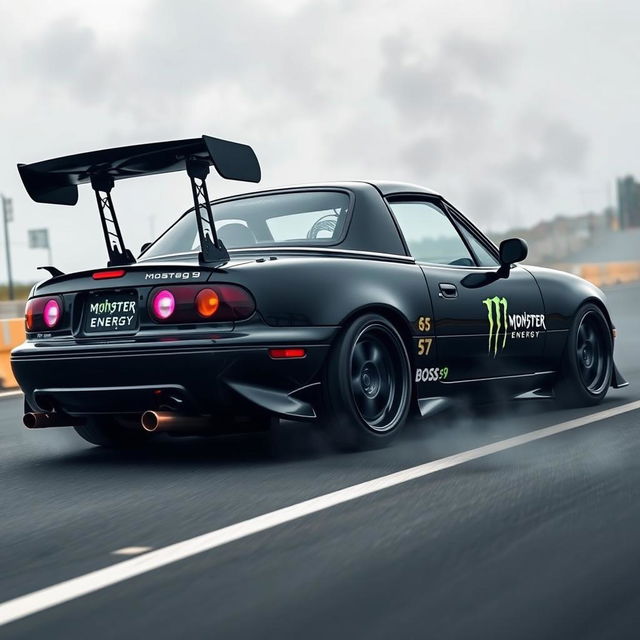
x=384, y=187
x=389, y=187
x=372, y=227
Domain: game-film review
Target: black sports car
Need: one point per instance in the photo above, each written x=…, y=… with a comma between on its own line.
x=351, y=303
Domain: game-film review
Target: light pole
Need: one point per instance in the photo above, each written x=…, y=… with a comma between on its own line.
x=7, y=214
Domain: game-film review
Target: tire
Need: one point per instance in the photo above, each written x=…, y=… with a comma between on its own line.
x=587, y=361
x=109, y=433
x=367, y=385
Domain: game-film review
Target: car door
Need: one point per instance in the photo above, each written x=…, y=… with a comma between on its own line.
x=489, y=331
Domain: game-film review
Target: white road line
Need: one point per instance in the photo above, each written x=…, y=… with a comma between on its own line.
x=10, y=394
x=130, y=551
x=77, y=587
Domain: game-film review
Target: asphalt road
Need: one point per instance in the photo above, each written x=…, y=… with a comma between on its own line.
x=538, y=541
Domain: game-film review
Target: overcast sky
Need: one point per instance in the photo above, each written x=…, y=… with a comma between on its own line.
x=514, y=110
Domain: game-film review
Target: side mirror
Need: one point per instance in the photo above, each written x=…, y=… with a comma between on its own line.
x=513, y=250
x=145, y=246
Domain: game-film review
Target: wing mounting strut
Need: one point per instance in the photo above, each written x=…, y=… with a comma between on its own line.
x=211, y=247
x=119, y=255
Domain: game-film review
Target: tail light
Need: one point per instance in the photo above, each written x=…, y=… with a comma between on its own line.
x=207, y=303
x=52, y=313
x=192, y=303
x=288, y=352
x=42, y=314
x=163, y=304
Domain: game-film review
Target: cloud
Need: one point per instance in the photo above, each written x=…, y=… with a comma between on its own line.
x=440, y=88
x=70, y=58
x=426, y=155
x=547, y=149
x=440, y=99
x=183, y=51
x=488, y=201
x=480, y=60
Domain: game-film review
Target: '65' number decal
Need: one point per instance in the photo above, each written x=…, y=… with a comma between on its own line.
x=432, y=374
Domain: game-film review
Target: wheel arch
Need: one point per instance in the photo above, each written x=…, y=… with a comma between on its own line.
x=601, y=305
x=597, y=302
x=393, y=315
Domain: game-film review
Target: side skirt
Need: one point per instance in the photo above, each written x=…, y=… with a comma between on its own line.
x=522, y=386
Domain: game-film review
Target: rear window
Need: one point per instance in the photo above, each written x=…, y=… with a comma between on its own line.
x=309, y=218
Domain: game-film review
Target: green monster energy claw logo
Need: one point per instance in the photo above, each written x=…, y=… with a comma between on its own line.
x=498, y=321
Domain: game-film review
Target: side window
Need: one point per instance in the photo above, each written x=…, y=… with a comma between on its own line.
x=430, y=235
x=484, y=258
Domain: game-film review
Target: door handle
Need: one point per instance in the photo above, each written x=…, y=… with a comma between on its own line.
x=448, y=290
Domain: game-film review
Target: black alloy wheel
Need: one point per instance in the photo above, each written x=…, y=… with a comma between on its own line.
x=367, y=384
x=377, y=377
x=587, y=364
x=592, y=353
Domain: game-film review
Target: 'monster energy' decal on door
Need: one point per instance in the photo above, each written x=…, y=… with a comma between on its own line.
x=501, y=324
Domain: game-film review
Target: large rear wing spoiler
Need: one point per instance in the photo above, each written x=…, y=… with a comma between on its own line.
x=56, y=182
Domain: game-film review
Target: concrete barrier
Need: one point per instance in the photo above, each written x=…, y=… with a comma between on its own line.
x=11, y=335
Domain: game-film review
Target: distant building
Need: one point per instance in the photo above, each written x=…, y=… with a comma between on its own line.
x=628, y=202
x=551, y=241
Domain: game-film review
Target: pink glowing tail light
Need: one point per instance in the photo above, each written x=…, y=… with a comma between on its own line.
x=52, y=313
x=43, y=313
x=163, y=305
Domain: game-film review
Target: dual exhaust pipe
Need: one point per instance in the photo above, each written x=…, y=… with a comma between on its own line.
x=151, y=421
x=35, y=420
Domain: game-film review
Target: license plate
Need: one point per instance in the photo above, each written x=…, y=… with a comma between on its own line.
x=111, y=313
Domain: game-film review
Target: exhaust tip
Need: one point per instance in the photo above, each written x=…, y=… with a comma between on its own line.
x=150, y=420
x=30, y=420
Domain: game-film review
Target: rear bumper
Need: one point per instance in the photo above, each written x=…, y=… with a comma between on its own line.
x=195, y=376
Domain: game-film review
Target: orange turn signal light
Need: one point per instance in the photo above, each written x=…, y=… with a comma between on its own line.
x=207, y=302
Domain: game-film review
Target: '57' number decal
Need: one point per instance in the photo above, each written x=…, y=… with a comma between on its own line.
x=424, y=346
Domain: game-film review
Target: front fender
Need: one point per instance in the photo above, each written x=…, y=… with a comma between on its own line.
x=563, y=294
